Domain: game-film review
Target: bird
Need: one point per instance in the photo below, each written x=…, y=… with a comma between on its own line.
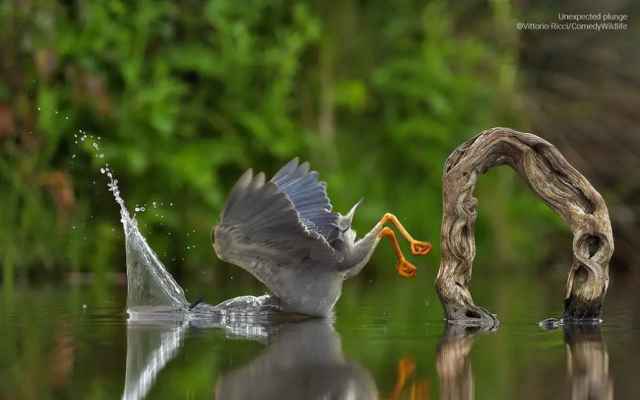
x=308, y=352
x=283, y=231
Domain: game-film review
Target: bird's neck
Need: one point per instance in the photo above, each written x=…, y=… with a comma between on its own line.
x=359, y=254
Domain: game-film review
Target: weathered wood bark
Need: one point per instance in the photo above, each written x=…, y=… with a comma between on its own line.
x=558, y=184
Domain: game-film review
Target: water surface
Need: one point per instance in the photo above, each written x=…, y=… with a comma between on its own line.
x=71, y=340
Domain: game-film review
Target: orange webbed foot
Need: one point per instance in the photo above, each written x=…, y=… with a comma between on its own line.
x=406, y=269
x=419, y=248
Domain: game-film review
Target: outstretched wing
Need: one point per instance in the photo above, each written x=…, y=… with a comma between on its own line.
x=259, y=224
x=308, y=195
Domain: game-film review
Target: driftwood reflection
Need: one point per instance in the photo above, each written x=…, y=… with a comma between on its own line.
x=588, y=363
x=303, y=360
x=453, y=362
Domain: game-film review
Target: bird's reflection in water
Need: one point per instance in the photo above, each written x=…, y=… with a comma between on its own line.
x=587, y=363
x=302, y=360
x=453, y=362
x=407, y=384
x=153, y=342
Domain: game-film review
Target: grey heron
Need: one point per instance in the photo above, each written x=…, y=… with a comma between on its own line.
x=284, y=232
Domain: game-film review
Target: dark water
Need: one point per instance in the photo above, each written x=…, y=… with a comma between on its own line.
x=72, y=341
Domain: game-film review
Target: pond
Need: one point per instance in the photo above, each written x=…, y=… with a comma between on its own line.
x=71, y=340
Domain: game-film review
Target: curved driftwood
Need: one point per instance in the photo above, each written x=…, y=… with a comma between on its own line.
x=552, y=178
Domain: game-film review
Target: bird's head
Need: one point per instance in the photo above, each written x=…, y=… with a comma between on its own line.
x=343, y=224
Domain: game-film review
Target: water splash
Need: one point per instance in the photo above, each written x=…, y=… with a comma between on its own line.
x=150, y=287
x=152, y=293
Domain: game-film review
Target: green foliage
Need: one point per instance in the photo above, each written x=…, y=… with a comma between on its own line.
x=180, y=98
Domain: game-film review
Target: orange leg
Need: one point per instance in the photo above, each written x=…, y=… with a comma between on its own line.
x=418, y=248
x=404, y=267
x=406, y=366
x=419, y=391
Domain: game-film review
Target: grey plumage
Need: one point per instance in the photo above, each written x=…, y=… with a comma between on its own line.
x=284, y=232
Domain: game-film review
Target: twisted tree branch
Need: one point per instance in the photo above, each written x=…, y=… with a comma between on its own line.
x=558, y=184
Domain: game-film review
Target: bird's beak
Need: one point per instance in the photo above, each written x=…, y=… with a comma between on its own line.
x=352, y=212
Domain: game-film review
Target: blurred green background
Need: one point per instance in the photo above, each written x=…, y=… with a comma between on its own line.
x=180, y=98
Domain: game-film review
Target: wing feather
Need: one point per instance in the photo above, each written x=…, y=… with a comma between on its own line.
x=308, y=195
x=266, y=225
